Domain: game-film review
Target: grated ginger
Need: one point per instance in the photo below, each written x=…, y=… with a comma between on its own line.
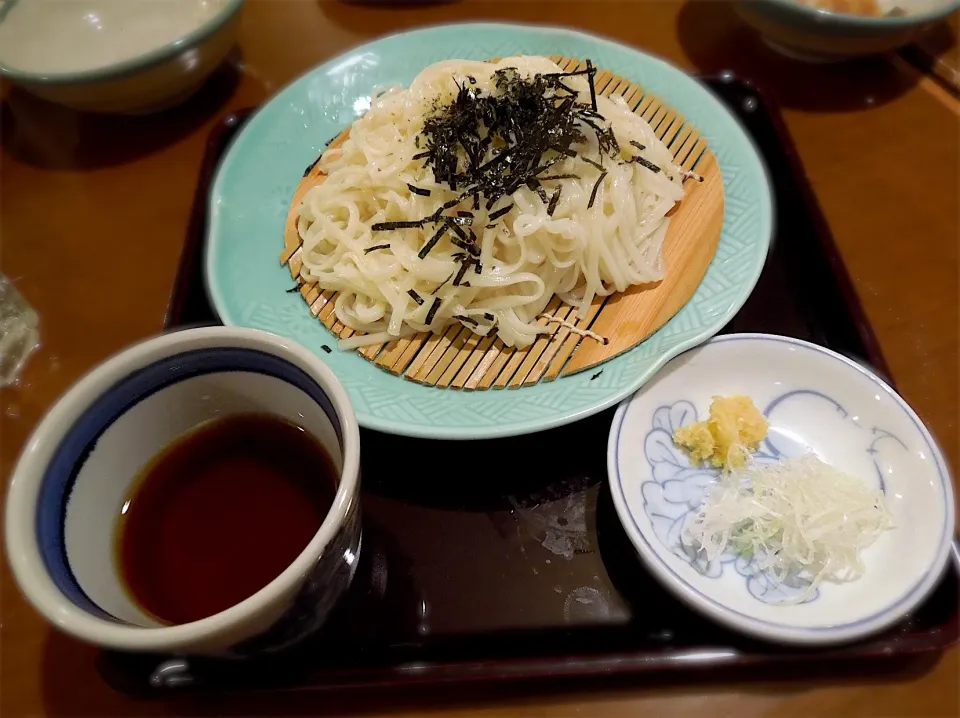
x=728, y=437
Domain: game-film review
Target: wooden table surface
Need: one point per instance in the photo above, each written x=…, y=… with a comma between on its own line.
x=94, y=213
x=937, y=51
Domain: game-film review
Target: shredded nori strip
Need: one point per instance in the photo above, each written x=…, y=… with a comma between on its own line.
x=534, y=184
x=572, y=73
x=596, y=188
x=466, y=320
x=415, y=297
x=607, y=142
x=312, y=165
x=547, y=165
x=295, y=289
x=437, y=288
x=531, y=123
x=418, y=190
x=638, y=145
x=327, y=349
x=593, y=90
x=489, y=317
x=596, y=375
x=646, y=163
x=330, y=141
x=460, y=273
x=433, y=241
x=478, y=267
x=592, y=162
x=492, y=144
x=433, y=310
x=387, y=226
x=375, y=247
x=588, y=121
x=471, y=248
x=561, y=85
x=553, y=202
x=457, y=230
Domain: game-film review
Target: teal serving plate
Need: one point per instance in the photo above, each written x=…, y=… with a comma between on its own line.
x=251, y=196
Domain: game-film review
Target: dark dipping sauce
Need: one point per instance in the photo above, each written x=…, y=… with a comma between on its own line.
x=220, y=513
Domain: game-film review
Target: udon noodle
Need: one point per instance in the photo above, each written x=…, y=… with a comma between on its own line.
x=600, y=237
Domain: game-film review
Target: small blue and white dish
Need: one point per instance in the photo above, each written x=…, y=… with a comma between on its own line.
x=814, y=400
x=67, y=489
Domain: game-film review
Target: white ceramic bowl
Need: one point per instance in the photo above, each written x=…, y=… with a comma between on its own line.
x=68, y=487
x=814, y=399
x=807, y=33
x=117, y=56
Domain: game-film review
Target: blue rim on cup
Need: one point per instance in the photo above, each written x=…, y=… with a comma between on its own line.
x=69, y=483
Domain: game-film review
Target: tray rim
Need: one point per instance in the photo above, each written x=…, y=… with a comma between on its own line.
x=578, y=662
x=536, y=409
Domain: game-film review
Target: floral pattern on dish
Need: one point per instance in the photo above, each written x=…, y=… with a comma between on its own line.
x=675, y=490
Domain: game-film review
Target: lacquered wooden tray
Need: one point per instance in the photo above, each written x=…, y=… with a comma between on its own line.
x=496, y=570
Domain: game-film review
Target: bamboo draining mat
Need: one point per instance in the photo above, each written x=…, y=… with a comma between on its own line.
x=461, y=359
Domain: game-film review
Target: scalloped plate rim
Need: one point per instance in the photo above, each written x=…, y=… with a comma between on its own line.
x=606, y=397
